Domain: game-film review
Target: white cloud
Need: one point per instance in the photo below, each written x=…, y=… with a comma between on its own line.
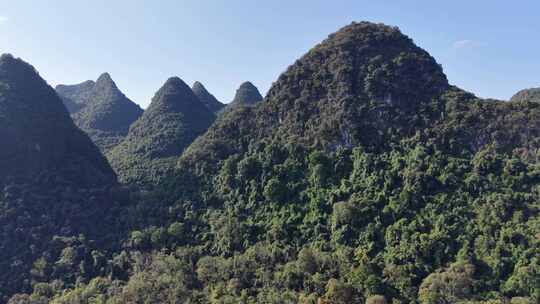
x=465, y=44
x=3, y=19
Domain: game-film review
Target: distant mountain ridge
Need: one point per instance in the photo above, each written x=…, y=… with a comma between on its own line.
x=100, y=109
x=173, y=120
x=532, y=95
x=247, y=94
x=206, y=98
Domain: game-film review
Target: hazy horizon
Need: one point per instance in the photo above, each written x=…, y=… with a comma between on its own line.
x=141, y=44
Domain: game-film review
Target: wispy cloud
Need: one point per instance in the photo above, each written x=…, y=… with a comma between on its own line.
x=465, y=44
x=3, y=19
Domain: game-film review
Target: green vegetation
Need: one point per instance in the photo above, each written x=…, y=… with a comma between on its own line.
x=101, y=110
x=247, y=95
x=363, y=177
x=54, y=185
x=155, y=141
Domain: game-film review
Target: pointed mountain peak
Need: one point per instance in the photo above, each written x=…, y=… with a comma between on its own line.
x=173, y=120
x=173, y=96
x=100, y=109
x=198, y=86
x=247, y=85
x=247, y=94
x=209, y=100
x=175, y=82
x=105, y=81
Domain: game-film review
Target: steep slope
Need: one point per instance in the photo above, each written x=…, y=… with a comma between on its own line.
x=173, y=120
x=247, y=94
x=532, y=95
x=36, y=131
x=104, y=113
x=206, y=98
x=53, y=179
x=77, y=96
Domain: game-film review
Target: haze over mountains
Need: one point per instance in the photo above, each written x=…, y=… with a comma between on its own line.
x=362, y=176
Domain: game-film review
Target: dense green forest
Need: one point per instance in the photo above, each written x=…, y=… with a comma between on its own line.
x=363, y=176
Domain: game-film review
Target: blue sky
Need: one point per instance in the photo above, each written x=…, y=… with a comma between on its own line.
x=490, y=48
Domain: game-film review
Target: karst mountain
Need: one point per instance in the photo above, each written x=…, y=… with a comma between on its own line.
x=206, y=98
x=363, y=176
x=173, y=120
x=100, y=109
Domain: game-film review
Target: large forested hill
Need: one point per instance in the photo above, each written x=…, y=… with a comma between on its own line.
x=101, y=110
x=55, y=186
x=362, y=177
x=173, y=120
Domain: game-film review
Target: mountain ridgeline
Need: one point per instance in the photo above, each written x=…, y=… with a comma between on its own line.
x=100, y=109
x=363, y=176
x=173, y=120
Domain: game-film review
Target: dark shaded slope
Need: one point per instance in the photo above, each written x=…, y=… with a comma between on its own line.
x=54, y=182
x=37, y=133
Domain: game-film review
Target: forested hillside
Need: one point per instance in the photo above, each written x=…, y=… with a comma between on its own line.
x=173, y=120
x=362, y=177
x=58, y=194
x=101, y=110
